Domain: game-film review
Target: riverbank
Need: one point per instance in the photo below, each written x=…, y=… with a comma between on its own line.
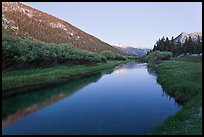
x=182, y=78
x=37, y=77
x=16, y=107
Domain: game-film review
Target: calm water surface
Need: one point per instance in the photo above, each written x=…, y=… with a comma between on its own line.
x=126, y=100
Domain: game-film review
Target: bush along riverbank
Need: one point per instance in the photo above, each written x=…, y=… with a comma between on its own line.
x=28, y=63
x=181, y=78
x=20, y=53
x=154, y=58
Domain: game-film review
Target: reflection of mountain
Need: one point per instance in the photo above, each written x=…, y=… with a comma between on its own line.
x=120, y=70
x=32, y=101
x=130, y=65
x=132, y=50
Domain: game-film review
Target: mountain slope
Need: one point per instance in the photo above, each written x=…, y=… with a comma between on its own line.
x=19, y=19
x=184, y=35
x=132, y=51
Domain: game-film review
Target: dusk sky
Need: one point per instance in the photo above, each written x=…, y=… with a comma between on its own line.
x=138, y=24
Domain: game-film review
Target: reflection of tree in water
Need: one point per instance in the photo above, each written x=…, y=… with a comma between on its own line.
x=152, y=70
x=22, y=101
x=170, y=96
x=107, y=71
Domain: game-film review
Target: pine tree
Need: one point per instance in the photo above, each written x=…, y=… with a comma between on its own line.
x=190, y=45
x=155, y=47
x=167, y=44
x=199, y=45
x=185, y=47
x=162, y=46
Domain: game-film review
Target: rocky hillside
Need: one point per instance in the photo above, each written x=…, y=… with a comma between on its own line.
x=21, y=20
x=132, y=50
x=184, y=35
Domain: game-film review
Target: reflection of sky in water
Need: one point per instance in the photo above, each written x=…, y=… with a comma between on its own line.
x=127, y=101
x=131, y=65
x=120, y=71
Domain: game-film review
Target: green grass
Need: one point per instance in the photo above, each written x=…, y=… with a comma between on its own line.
x=190, y=58
x=40, y=76
x=182, y=78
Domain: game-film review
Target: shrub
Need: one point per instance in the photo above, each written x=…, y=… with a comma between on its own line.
x=156, y=56
x=166, y=55
x=112, y=55
x=16, y=50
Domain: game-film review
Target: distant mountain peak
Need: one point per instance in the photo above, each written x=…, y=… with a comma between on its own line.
x=131, y=50
x=121, y=45
x=184, y=33
x=181, y=38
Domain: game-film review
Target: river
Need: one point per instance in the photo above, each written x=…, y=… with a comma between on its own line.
x=124, y=100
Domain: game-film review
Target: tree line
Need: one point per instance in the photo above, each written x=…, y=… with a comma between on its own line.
x=190, y=46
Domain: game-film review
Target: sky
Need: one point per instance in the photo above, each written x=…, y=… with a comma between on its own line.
x=137, y=24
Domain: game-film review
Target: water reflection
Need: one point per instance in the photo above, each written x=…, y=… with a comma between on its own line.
x=107, y=71
x=13, y=103
x=120, y=70
x=131, y=65
x=126, y=67
x=152, y=71
x=129, y=103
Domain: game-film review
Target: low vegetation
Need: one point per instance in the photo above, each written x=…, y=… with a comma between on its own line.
x=155, y=58
x=181, y=78
x=112, y=55
x=20, y=53
x=25, y=53
x=35, y=77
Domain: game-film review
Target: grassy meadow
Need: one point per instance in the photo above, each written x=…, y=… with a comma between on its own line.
x=181, y=77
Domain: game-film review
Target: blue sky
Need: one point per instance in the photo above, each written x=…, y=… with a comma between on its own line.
x=137, y=24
